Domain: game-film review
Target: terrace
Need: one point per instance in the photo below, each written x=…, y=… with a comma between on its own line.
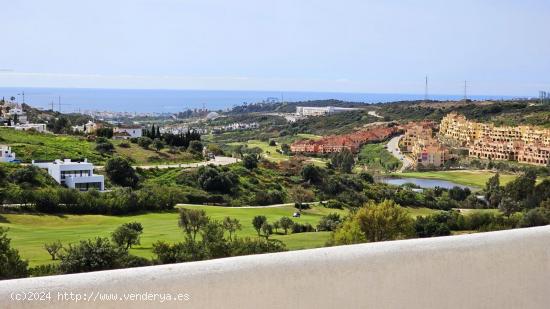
x=506, y=269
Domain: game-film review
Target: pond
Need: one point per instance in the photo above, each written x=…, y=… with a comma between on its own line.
x=424, y=183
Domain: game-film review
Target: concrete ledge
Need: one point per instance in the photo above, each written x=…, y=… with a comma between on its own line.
x=507, y=269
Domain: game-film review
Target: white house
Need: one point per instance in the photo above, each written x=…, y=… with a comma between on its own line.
x=75, y=175
x=127, y=132
x=38, y=127
x=6, y=155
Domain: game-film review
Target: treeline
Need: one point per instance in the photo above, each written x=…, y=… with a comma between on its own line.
x=170, y=139
x=204, y=238
x=388, y=221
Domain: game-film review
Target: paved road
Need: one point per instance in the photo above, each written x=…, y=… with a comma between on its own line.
x=217, y=161
x=374, y=113
x=247, y=207
x=393, y=148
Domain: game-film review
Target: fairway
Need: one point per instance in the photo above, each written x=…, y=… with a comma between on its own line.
x=29, y=232
x=271, y=153
x=467, y=178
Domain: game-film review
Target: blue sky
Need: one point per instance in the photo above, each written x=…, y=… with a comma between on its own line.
x=500, y=47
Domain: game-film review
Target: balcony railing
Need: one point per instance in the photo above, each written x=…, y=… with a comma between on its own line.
x=507, y=269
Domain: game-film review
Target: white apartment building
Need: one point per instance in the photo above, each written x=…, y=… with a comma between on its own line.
x=321, y=111
x=74, y=175
x=6, y=155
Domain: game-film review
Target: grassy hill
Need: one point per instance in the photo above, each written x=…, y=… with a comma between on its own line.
x=40, y=146
x=30, y=146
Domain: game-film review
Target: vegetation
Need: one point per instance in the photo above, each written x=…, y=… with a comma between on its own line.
x=375, y=157
x=11, y=264
x=30, y=146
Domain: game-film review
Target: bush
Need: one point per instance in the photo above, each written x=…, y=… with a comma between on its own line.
x=124, y=145
x=144, y=142
x=302, y=228
x=329, y=222
x=334, y=204
x=212, y=179
x=90, y=255
x=250, y=161
x=121, y=172
x=11, y=264
x=44, y=270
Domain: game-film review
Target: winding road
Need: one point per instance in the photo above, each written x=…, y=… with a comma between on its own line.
x=393, y=148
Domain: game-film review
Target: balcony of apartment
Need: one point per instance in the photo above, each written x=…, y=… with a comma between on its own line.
x=506, y=269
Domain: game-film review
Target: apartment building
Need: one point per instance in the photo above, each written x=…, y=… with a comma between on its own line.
x=429, y=152
x=74, y=174
x=337, y=143
x=414, y=131
x=495, y=150
x=525, y=144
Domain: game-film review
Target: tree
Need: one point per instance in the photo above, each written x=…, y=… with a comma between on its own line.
x=493, y=184
x=276, y=226
x=158, y=144
x=127, y=235
x=121, y=172
x=285, y=149
x=212, y=179
x=267, y=230
x=231, y=226
x=343, y=161
x=11, y=264
x=192, y=220
x=536, y=217
x=312, y=174
x=459, y=194
x=329, y=222
x=90, y=255
x=144, y=142
x=250, y=161
x=508, y=206
x=104, y=147
x=300, y=196
x=53, y=248
x=26, y=176
x=195, y=146
x=376, y=222
x=286, y=223
x=257, y=222
x=521, y=188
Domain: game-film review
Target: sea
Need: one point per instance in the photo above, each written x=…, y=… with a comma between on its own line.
x=171, y=101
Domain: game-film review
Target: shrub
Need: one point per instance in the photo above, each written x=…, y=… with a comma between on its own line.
x=144, y=142
x=329, y=222
x=302, y=228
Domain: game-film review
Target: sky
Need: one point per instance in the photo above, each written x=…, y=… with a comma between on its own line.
x=501, y=47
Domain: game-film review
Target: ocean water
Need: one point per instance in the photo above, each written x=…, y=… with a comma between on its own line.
x=170, y=101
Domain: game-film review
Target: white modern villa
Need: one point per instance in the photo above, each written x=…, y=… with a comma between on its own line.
x=6, y=155
x=74, y=174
